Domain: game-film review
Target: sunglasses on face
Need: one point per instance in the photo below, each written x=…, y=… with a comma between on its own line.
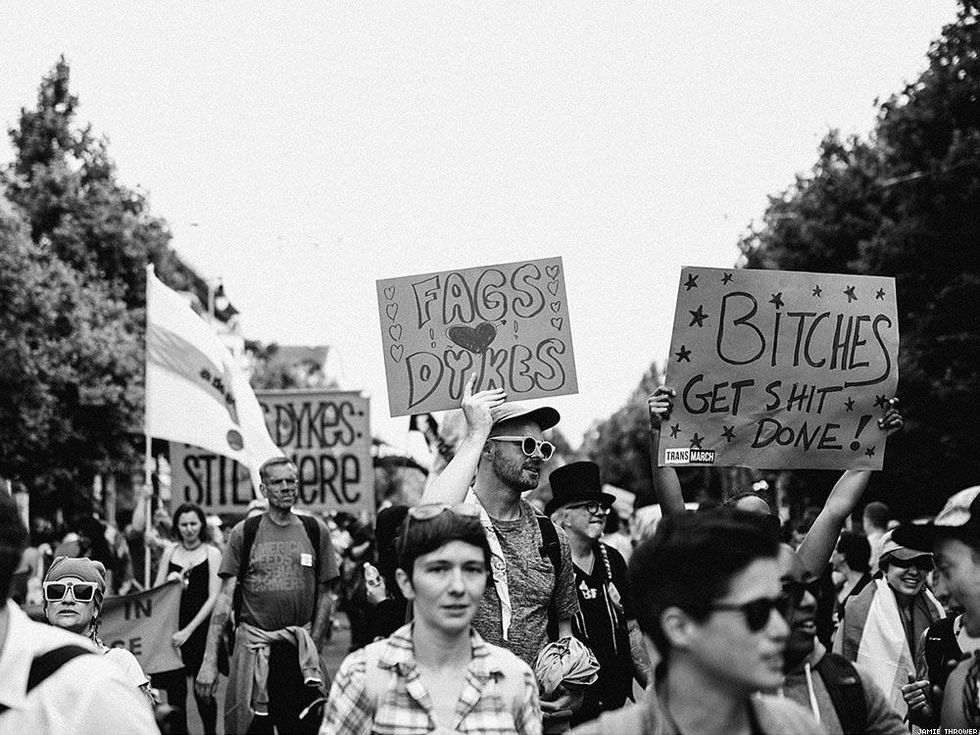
x=923, y=563
x=81, y=591
x=757, y=612
x=529, y=445
x=796, y=589
x=594, y=507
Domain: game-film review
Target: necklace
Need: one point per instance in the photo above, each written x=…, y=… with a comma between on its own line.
x=191, y=548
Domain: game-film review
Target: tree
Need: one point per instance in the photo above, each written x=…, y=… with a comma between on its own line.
x=906, y=203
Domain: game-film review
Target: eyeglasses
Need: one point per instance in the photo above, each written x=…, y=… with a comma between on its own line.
x=593, y=506
x=81, y=591
x=923, y=563
x=529, y=445
x=757, y=612
x=796, y=589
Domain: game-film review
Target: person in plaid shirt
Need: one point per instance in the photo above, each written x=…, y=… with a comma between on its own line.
x=436, y=674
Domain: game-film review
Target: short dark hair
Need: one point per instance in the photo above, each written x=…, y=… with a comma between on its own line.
x=273, y=462
x=855, y=549
x=196, y=510
x=732, y=501
x=878, y=513
x=690, y=561
x=418, y=538
x=13, y=541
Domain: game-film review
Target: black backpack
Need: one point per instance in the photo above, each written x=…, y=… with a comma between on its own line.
x=48, y=663
x=846, y=692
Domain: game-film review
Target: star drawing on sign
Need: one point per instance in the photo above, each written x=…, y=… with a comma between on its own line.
x=849, y=404
x=817, y=291
x=696, y=441
x=698, y=317
x=729, y=433
x=675, y=430
x=692, y=282
x=870, y=451
x=777, y=300
x=683, y=355
x=849, y=292
x=880, y=401
x=727, y=278
x=880, y=294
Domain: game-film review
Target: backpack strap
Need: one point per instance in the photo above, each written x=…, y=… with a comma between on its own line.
x=48, y=663
x=551, y=549
x=846, y=691
x=249, y=530
x=313, y=531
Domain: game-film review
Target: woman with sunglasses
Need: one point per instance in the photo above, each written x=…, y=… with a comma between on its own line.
x=436, y=674
x=73, y=593
x=195, y=562
x=882, y=625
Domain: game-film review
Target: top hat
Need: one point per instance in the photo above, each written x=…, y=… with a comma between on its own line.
x=576, y=482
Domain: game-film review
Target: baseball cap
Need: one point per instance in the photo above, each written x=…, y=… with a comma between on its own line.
x=959, y=518
x=892, y=549
x=544, y=416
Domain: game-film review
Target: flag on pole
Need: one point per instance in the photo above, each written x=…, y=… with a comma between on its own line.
x=195, y=391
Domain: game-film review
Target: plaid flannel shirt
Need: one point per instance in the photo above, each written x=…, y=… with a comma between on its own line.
x=499, y=695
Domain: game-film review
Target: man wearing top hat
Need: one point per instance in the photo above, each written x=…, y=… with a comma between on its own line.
x=499, y=458
x=606, y=622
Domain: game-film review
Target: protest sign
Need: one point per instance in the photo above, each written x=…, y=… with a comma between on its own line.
x=325, y=433
x=143, y=624
x=777, y=369
x=507, y=323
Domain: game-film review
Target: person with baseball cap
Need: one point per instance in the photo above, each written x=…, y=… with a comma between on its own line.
x=606, y=622
x=532, y=599
x=954, y=537
x=882, y=625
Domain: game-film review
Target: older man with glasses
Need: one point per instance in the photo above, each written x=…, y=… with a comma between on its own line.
x=606, y=622
x=532, y=599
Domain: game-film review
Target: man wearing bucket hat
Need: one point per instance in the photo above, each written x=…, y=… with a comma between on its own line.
x=954, y=536
x=606, y=622
x=532, y=599
x=882, y=625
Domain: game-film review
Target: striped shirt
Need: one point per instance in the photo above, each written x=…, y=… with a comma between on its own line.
x=499, y=694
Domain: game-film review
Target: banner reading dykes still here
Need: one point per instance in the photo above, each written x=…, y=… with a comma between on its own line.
x=506, y=323
x=777, y=369
x=325, y=433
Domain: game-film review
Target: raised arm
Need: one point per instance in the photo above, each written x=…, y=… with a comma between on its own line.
x=665, y=483
x=819, y=542
x=451, y=485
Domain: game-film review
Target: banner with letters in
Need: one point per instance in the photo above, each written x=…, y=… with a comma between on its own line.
x=780, y=370
x=325, y=433
x=507, y=323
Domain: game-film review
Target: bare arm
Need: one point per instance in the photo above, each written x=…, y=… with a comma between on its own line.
x=451, y=485
x=817, y=546
x=164, y=565
x=214, y=589
x=324, y=607
x=207, y=677
x=638, y=650
x=665, y=483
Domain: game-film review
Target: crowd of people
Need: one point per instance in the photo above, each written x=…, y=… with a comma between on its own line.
x=476, y=611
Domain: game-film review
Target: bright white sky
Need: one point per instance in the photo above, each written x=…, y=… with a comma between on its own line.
x=319, y=146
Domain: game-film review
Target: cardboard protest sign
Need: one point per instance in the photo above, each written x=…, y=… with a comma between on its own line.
x=777, y=369
x=142, y=623
x=507, y=323
x=325, y=433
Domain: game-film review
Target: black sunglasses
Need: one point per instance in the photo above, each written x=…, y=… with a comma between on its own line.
x=757, y=612
x=795, y=589
x=924, y=563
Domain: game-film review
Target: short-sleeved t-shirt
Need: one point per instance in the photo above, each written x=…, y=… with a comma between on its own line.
x=531, y=583
x=279, y=589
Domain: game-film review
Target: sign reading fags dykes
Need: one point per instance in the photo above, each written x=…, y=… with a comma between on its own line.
x=507, y=323
x=777, y=369
x=325, y=433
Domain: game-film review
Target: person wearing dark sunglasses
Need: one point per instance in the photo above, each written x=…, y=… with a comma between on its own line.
x=710, y=605
x=532, y=599
x=842, y=696
x=882, y=625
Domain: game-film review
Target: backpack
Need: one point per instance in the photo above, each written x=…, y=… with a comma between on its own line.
x=551, y=550
x=48, y=664
x=942, y=648
x=846, y=691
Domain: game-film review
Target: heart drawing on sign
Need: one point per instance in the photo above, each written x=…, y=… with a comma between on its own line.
x=557, y=322
x=556, y=306
x=552, y=271
x=390, y=293
x=395, y=330
x=553, y=288
x=396, y=352
x=475, y=340
x=391, y=310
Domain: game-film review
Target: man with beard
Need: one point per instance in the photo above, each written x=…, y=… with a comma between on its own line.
x=532, y=599
x=842, y=697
